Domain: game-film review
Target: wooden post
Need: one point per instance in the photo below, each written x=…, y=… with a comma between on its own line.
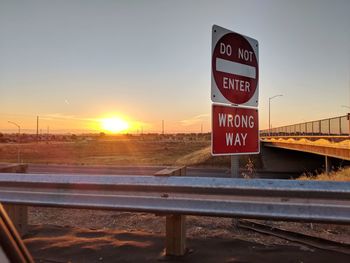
x=175, y=225
x=175, y=239
x=17, y=213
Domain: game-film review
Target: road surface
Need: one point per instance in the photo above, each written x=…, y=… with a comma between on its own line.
x=143, y=170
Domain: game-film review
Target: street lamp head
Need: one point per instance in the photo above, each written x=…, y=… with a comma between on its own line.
x=279, y=95
x=14, y=124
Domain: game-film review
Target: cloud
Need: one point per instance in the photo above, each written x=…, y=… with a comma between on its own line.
x=195, y=120
x=55, y=116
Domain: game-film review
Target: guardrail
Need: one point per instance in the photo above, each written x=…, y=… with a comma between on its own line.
x=176, y=196
x=337, y=126
x=313, y=201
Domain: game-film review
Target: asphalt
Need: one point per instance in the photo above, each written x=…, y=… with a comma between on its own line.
x=146, y=170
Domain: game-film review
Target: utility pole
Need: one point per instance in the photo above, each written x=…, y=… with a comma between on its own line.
x=37, y=129
x=163, y=127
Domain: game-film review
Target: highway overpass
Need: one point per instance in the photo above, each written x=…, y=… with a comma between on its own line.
x=326, y=137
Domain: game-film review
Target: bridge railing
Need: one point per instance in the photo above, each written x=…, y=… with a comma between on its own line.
x=337, y=126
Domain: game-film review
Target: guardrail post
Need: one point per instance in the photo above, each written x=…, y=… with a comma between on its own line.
x=17, y=213
x=175, y=225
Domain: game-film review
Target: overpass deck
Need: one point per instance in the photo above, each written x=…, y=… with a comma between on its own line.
x=339, y=150
x=328, y=137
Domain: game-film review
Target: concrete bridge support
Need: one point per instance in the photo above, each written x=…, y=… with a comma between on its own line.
x=327, y=164
x=283, y=160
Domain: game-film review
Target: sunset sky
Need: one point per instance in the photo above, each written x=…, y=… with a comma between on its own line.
x=74, y=63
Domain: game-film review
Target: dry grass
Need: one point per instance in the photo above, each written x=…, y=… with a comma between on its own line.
x=203, y=157
x=319, y=142
x=195, y=158
x=116, y=152
x=342, y=175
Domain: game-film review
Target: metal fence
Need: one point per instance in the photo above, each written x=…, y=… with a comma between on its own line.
x=337, y=126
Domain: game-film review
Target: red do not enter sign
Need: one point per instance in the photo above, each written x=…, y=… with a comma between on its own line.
x=235, y=68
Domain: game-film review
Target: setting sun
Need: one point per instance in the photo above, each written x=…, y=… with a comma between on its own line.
x=114, y=125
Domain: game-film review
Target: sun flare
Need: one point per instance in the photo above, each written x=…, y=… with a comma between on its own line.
x=114, y=125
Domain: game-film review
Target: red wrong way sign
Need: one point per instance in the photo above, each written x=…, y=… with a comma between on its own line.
x=234, y=130
x=235, y=68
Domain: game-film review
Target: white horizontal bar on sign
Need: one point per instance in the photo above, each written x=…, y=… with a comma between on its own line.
x=231, y=67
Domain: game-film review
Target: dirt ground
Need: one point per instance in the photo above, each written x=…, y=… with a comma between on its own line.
x=75, y=235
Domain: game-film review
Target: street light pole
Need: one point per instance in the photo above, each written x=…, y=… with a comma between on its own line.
x=279, y=95
x=348, y=117
x=18, y=141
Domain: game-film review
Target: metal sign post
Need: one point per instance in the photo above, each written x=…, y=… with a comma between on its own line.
x=235, y=166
